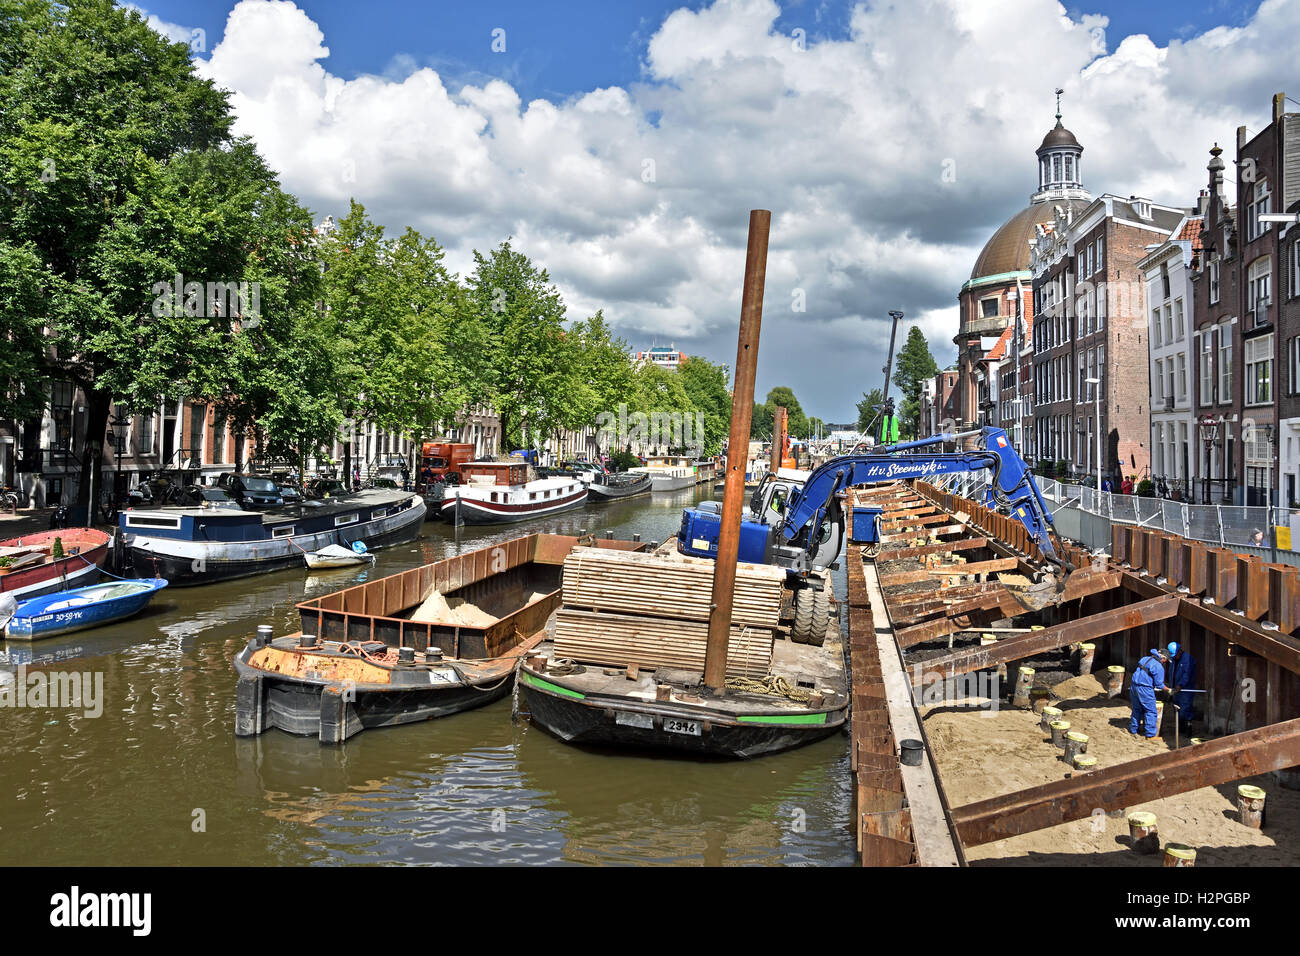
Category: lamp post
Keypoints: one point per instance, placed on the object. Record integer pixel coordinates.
(1096, 405)
(1209, 427)
(119, 426)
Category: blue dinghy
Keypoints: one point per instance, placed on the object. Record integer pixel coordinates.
(80, 608)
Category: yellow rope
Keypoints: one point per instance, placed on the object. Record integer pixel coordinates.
(772, 685)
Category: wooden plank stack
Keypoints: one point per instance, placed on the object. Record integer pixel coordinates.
(622, 608)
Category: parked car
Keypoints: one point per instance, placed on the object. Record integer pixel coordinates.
(251, 491)
(291, 494)
(326, 488)
(206, 496)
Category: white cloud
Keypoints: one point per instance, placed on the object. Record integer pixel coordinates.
(846, 141)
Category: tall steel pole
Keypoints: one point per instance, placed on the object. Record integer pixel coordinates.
(742, 412)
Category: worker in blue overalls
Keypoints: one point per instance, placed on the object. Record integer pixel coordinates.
(1183, 678)
(1147, 679)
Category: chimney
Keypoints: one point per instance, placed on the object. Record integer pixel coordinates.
(1279, 106)
(1202, 202)
(1241, 141)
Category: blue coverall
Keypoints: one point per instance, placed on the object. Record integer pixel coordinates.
(1184, 673)
(1149, 676)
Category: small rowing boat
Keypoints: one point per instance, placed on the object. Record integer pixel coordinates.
(81, 608)
(337, 556)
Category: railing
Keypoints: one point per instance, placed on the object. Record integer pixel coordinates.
(1257, 529)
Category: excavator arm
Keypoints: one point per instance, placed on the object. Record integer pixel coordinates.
(1011, 486)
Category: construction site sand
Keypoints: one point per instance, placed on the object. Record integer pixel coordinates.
(982, 754)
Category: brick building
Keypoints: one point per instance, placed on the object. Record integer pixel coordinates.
(1090, 323)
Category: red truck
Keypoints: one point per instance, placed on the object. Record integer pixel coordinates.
(443, 459)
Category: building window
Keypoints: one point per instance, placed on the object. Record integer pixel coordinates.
(1214, 281)
(1295, 268)
(1158, 380)
(1182, 376)
(1225, 363)
(989, 308)
(1293, 362)
(1259, 370)
(1155, 327)
(1164, 281)
(1169, 323)
(1207, 367)
(1257, 291)
(1258, 204)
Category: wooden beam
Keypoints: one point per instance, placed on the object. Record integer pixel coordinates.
(1209, 764)
(1274, 646)
(909, 535)
(947, 570)
(1049, 638)
(899, 554)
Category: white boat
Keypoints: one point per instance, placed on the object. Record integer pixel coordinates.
(668, 472)
(499, 492)
(336, 556)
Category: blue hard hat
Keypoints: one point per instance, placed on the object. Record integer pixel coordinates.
(1173, 648)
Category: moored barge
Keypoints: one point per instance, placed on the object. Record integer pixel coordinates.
(32, 569)
(199, 545)
(501, 492)
(425, 643)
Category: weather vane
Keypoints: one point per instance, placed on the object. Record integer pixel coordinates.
(1059, 91)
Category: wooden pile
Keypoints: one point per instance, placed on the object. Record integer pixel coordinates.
(623, 608)
(676, 587)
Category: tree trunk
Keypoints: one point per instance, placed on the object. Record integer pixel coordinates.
(98, 405)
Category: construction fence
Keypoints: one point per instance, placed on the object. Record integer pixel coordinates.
(1083, 514)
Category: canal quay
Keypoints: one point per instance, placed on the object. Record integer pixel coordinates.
(472, 788)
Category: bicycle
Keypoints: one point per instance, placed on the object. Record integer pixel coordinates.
(9, 500)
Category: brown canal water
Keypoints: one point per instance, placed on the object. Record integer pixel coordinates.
(160, 778)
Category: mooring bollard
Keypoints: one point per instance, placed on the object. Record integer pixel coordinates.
(1084, 763)
(1050, 714)
(1250, 806)
(1144, 832)
(1038, 698)
(1059, 729)
(1024, 683)
(1086, 652)
(1076, 744)
(1114, 680)
(1178, 855)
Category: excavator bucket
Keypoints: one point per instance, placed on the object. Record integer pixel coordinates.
(1033, 595)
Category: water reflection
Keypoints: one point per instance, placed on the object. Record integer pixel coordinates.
(160, 778)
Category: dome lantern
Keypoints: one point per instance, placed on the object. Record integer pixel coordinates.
(1059, 176)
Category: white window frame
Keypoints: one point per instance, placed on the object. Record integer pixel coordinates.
(1258, 352)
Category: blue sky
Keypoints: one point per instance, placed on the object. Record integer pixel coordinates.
(556, 49)
(621, 144)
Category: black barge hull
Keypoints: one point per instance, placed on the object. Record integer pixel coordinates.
(608, 722)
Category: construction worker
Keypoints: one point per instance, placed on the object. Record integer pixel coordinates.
(1182, 678)
(1148, 677)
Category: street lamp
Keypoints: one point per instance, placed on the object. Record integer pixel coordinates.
(1209, 426)
(119, 426)
(1096, 405)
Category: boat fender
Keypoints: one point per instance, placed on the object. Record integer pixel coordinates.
(359, 547)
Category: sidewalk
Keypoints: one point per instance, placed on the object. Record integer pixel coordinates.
(33, 520)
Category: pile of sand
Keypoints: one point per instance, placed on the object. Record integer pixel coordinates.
(457, 612)
(982, 754)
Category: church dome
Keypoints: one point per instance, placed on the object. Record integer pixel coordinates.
(1008, 249)
(1057, 137)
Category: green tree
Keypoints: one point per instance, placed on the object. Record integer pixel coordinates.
(761, 423)
(119, 171)
(783, 397)
(531, 367)
(24, 372)
(868, 408)
(706, 389)
(915, 365)
(661, 393)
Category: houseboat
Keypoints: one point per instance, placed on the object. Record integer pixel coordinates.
(668, 472)
(29, 566)
(425, 643)
(499, 492)
(621, 485)
(199, 545)
(706, 470)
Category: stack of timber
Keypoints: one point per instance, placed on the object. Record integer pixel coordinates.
(653, 610)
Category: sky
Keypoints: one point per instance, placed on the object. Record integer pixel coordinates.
(622, 145)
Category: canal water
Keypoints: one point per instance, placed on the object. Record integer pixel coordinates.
(160, 778)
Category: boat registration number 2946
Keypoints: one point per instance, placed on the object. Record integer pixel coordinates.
(675, 726)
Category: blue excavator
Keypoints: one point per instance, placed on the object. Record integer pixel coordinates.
(798, 523)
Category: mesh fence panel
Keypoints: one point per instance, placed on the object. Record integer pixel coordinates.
(1244, 525)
